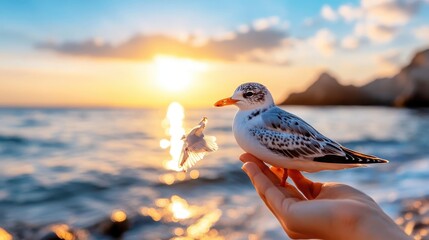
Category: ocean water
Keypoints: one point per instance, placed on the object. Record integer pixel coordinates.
(82, 167)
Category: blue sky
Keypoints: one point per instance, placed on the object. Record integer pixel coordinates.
(356, 40)
(86, 19)
(116, 21)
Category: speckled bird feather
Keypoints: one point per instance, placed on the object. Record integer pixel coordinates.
(288, 135)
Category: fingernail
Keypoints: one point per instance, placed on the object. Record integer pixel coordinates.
(249, 168)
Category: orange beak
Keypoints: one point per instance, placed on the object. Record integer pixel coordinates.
(225, 102)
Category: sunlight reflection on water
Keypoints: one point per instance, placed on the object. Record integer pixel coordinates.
(196, 222)
(173, 125)
(174, 128)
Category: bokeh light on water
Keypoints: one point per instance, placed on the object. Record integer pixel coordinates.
(196, 222)
(179, 207)
(62, 231)
(118, 216)
(4, 235)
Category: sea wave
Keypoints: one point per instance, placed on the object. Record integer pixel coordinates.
(31, 122)
(221, 129)
(371, 141)
(27, 189)
(76, 167)
(13, 139)
(126, 136)
(232, 176)
(16, 140)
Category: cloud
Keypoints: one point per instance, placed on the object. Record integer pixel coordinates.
(350, 13)
(225, 36)
(243, 28)
(389, 61)
(275, 56)
(324, 41)
(138, 47)
(376, 33)
(328, 13)
(422, 33)
(229, 49)
(379, 20)
(227, 46)
(265, 23)
(391, 13)
(350, 42)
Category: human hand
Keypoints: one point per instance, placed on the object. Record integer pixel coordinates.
(319, 210)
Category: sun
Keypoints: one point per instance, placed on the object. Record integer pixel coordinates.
(175, 74)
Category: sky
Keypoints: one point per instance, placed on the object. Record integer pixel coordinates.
(150, 53)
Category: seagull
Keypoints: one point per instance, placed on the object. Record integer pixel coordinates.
(196, 146)
(284, 140)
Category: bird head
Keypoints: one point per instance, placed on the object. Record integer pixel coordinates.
(248, 96)
(204, 121)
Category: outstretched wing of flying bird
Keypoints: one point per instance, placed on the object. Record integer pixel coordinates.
(196, 146)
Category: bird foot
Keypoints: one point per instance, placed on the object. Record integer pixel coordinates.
(284, 178)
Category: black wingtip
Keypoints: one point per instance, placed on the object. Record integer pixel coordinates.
(367, 159)
(351, 157)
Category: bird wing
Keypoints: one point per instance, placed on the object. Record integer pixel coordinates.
(293, 137)
(195, 151)
(192, 159)
(210, 143)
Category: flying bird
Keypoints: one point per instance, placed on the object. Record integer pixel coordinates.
(196, 146)
(284, 140)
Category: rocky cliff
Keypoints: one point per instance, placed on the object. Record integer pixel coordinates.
(409, 87)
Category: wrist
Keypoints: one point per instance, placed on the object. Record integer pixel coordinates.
(359, 221)
(377, 225)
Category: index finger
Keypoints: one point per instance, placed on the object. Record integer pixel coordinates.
(265, 187)
(309, 188)
(247, 157)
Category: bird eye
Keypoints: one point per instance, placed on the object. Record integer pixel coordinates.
(247, 94)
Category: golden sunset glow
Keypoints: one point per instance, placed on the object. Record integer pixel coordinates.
(137, 84)
(175, 74)
(174, 55)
